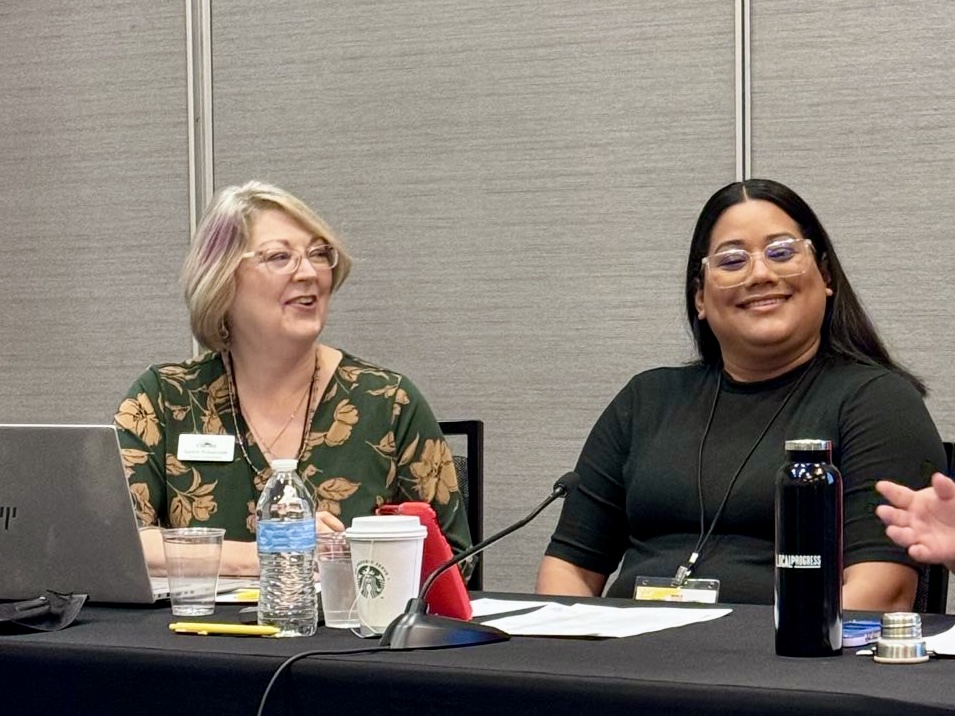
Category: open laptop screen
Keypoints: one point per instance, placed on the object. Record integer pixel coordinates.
(66, 518)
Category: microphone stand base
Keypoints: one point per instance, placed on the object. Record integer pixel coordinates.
(429, 631)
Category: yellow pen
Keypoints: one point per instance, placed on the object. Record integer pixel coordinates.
(210, 629)
(247, 595)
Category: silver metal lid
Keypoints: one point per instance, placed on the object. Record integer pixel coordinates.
(901, 641)
(900, 651)
(806, 444)
(901, 625)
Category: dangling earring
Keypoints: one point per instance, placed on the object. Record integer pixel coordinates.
(224, 334)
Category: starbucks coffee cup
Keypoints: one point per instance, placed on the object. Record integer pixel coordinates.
(386, 555)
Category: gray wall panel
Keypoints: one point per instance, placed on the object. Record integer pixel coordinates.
(854, 106)
(94, 199)
(518, 181)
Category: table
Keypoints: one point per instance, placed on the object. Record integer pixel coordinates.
(124, 660)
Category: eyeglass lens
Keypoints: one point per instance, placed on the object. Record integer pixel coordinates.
(733, 267)
(286, 261)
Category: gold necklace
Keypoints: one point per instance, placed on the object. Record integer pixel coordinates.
(267, 449)
(235, 408)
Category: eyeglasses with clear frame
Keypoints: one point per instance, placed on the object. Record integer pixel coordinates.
(785, 257)
(286, 261)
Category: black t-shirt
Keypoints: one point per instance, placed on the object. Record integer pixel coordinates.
(638, 498)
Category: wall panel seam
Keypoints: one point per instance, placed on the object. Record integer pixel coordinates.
(743, 92)
(199, 107)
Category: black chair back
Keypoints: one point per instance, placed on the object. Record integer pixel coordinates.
(933, 583)
(466, 438)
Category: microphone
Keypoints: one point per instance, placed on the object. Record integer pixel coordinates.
(416, 629)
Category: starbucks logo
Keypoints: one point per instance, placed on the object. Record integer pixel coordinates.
(371, 580)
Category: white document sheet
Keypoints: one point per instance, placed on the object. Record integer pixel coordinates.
(593, 620)
(486, 607)
(942, 644)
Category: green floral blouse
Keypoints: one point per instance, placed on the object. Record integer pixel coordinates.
(373, 440)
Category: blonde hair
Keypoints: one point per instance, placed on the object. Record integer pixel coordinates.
(208, 273)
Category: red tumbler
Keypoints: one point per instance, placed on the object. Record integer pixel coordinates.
(448, 597)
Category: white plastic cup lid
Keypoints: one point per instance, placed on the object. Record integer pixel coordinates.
(386, 527)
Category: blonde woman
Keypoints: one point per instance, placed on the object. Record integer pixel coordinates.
(259, 278)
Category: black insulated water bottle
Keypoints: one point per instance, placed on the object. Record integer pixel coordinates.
(808, 576)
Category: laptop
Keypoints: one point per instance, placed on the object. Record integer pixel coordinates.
(66, 517)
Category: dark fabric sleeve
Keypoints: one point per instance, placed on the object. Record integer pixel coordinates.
(141, 427)
(592, 530)
(887, 433)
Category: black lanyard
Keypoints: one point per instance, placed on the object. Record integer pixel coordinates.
(686, 569)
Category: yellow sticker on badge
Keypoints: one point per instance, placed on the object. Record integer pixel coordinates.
(662, 594)
(657, 589)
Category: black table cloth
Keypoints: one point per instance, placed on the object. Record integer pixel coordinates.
(125, 660)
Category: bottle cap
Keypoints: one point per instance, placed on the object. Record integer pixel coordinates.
(284, 464)
(808, 445)
(901, 641)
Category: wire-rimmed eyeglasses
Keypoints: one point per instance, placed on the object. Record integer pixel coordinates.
(286, 261)
(785, 257)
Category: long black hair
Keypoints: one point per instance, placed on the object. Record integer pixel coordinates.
(847, 330)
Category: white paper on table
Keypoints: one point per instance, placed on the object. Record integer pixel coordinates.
(942, 644)
(601, 621)
(485, 606)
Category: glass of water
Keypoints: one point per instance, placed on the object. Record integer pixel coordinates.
(339, 603)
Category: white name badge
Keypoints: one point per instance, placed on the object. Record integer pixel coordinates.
(658, 589)
(206, 448)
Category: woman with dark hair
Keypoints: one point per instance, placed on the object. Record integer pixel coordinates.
(677, 476)
(847, 330)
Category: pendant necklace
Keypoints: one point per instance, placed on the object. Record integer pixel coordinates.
(236, 408)
(267, 449)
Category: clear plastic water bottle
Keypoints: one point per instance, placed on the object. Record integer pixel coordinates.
(285, 535)
(808, 575)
